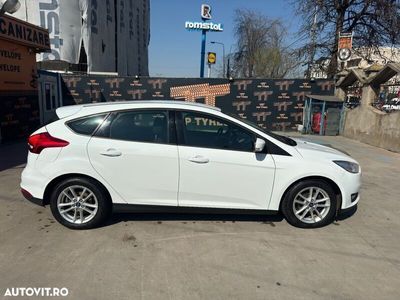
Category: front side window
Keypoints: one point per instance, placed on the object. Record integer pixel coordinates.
(139, 126)
(284, 139)
(201, 130)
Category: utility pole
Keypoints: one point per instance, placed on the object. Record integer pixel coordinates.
(312, 44)
(228, 66)
(223, 55)
(228, 69)
(203, 52)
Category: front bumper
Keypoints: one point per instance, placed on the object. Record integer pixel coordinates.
(345, 213)
(350, 186)
(32, 199)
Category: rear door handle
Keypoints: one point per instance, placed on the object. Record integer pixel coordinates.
(199, 159)
(111, 153)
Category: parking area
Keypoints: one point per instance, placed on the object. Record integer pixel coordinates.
(160, 256)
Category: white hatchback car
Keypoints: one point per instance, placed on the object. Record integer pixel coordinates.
(179, 156)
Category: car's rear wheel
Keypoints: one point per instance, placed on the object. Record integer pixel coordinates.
(310, 204)
(79, 203)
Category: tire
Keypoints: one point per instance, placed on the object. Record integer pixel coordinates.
(312, 212)
(80, 203)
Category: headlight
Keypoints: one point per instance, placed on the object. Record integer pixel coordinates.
(348, 166)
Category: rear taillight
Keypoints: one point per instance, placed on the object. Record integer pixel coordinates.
(40, 141)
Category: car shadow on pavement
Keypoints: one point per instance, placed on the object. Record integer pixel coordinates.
(13, 155)
(160, 217)
(186, 217)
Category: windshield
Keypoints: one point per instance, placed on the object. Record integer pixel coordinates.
(284, 139)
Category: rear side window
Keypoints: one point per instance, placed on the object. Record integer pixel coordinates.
(86, 125)
(149, 126)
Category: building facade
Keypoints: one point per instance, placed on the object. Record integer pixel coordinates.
(20, 42)
(93, 36)
(364, 58)
(361, 58)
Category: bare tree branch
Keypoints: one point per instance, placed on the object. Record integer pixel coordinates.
(374, 23)
(260, 47)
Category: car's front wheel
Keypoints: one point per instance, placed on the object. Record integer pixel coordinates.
(310, 204)
(79, 203)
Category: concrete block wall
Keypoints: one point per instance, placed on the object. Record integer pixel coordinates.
(372, 126)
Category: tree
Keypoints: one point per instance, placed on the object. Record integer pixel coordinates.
(374, 23)
(260, 50)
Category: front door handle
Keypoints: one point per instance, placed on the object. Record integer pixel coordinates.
(111, 153)
(199, 159)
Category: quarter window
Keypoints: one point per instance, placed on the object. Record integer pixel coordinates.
(139, 126)
(200, 130)
(86, 125)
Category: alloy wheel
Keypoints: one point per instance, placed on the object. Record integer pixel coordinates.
(77, 204)
(311, 205)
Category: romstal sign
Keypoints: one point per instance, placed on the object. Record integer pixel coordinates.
(204, 27)
(210, 26)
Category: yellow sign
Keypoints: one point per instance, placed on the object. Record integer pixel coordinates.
(17, 67)
(211, 57)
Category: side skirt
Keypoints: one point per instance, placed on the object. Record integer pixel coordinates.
(139, 208)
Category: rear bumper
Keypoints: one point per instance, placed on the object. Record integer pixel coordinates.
(33, 181)
(32, 199)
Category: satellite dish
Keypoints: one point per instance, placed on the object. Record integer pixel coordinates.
(9, 6)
